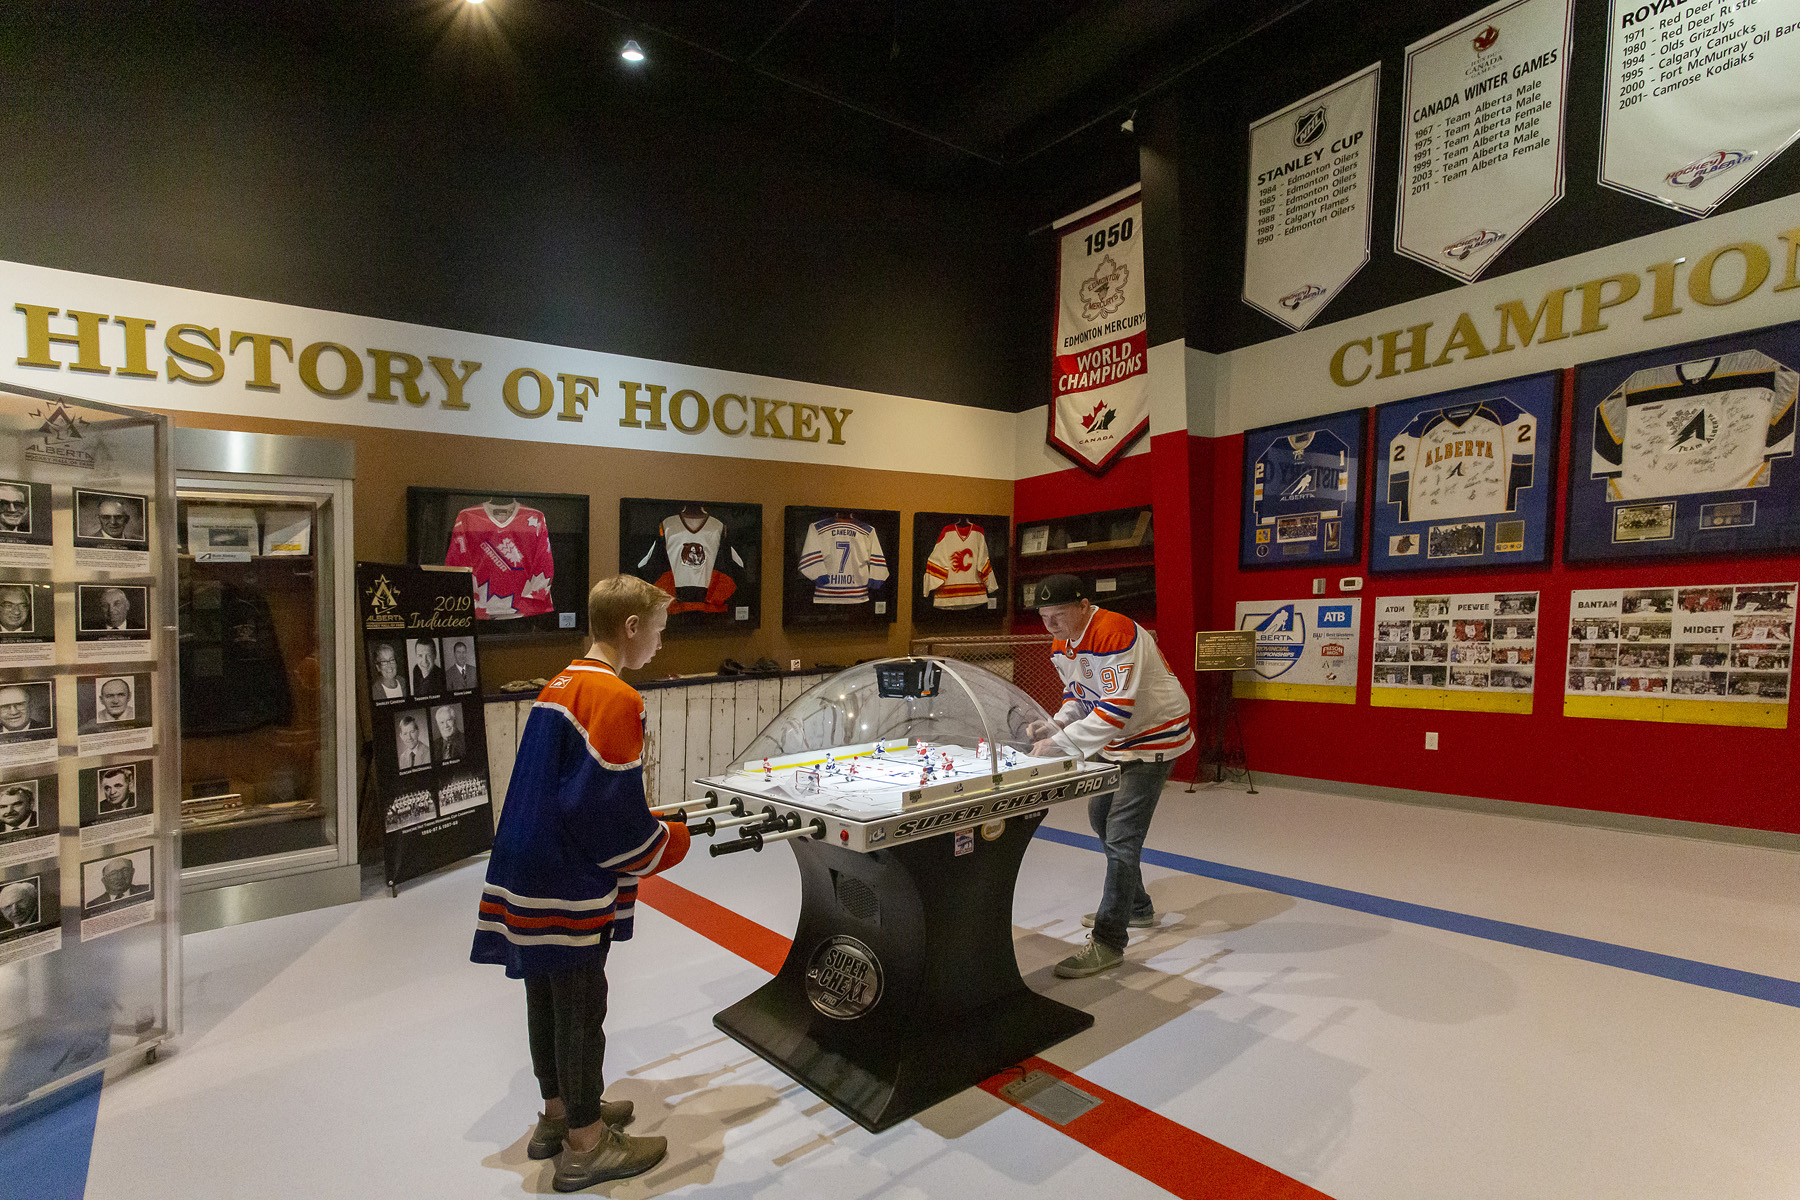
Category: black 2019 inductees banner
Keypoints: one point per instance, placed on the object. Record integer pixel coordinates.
(430, 735)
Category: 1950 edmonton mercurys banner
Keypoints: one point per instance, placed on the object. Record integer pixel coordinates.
(1481, 152)
(1100, 391)
(1700, 96)
(1311, 180)
(429, 729)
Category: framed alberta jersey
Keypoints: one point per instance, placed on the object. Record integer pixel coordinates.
(1302, 492)
(706, 554)
(840, 566)
(1465, 477)
(1687, 450)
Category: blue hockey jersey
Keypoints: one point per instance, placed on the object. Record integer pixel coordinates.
(576, 832)
(1302, 473)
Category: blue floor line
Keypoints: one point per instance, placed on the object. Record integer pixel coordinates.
(1645, 962)
(46, 1146)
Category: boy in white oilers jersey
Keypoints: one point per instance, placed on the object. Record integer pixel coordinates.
(1121, 703)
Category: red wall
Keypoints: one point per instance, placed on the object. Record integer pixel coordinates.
(1715, 774)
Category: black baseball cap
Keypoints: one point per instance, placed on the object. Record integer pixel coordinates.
(1060, 589)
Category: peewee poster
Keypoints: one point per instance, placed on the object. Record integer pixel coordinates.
(429, 729)
(1305, 650)
(1100, 382)
(1474, 651)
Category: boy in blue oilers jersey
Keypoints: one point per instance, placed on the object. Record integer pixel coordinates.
(1122, 704)
(575, 836)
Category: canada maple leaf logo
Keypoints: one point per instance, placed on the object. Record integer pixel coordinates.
(1100, 418)
(1102, 294)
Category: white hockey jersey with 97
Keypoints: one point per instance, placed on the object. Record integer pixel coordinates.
(844, 560)
(1120, 700)
(1469, 460)
(1708, 426)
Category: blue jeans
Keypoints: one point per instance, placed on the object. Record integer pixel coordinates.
(1121, 820)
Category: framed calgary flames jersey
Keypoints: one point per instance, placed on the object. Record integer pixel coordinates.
(1687, 450)
(1303, 486)
(1465, 477)
(959, 569)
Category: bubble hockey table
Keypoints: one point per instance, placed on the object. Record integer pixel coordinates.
(901, 988)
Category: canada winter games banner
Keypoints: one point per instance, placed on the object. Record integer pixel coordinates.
(1481, 155)
(1311, 181)
(1100, 392)
(1700, 96)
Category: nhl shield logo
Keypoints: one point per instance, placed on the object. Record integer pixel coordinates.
(1309, 126)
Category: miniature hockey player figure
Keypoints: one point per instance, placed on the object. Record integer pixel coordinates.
(768, 775)
(1008, 758)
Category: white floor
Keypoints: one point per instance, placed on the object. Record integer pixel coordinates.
(356, 1052)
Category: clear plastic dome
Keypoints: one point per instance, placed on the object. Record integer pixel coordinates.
(941, 701)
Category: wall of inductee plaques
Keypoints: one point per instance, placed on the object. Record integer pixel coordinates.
(1474, 651)
(1465, 477)
(1687, 450)
(89, 905)
(1303, 492)
(1716, 654)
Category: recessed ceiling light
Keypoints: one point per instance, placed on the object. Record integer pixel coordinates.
(632, 53)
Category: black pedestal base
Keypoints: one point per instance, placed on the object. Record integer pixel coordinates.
(902, 988)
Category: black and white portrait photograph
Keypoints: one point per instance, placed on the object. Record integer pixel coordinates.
(18, 607)
(27, 623)
(412, 739)
(387, 671)
(24, 514)
(447, 742)
(27, 712)
(424, 675)
(27, 905)
(107, 612)
(111, 520)
(21, 809)
(113, 794)
(107, 703)
(117, 882)
(459, 664)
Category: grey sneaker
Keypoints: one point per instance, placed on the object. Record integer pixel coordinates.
(1094, 958)
(1148, 922)
(548, 1137)
(616, 1156)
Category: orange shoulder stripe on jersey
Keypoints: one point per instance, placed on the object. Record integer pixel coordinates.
(608, 710)
(1108, 633)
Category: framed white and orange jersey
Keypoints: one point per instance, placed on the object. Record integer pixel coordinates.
(1687, 450)
(1465, 476)
(960, 568)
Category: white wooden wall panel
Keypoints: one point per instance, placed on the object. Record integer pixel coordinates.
(724, 726)
(502, 719)
(672, 754)
(699, 733)
(744, 704)
(653, 705)
(768, 702)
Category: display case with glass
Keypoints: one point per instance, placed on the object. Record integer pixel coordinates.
(267, 706)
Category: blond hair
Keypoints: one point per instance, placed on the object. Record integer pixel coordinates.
(614, 601)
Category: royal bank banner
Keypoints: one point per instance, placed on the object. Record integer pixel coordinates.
(1100, 391)
(1700, 96)
(427, 720)
(1305, 650)
(1482, 142)
(1311, 183)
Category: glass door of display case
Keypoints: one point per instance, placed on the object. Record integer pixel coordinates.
(267, 719)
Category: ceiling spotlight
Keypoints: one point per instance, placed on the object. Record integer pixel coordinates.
(632, 53)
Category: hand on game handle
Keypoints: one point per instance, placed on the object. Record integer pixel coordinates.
(1037, 731)
(1046, 749)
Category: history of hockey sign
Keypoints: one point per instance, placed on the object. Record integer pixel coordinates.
(1700, 96)
(1311, 180)
(1482, 147)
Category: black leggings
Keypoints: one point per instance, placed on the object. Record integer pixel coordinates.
(564, 1011)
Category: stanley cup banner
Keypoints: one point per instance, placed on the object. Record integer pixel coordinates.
(1100, 393)
(1700, 96)
(1311, 182)
(1481, 152)
(426, 716)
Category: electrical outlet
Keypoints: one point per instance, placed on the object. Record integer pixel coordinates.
(793, 664)
(1431, 741)
(1318, 587)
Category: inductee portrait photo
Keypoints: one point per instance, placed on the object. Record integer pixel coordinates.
(109, 612)
(19, 809)
(412, 744)
(425, 678)
(110, 520)
(28, 905)
(24, 513)
(18, 608)
(387, 678)
(115, 793)
(447, 742)
(459, 664)
(116, 882)
(104, 703)
(27, 712)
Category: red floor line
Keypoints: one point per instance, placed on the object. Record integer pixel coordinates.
(1146, 1143)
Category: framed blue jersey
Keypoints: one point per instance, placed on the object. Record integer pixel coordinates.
(1465, 477)
(1687, 450)
(1302, 491)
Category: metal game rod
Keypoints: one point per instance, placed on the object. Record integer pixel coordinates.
(711, 826)
(756, 840)
(680, 812)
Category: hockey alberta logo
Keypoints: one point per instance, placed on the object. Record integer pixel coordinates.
(1103, 294)
(1280, 639)
(1293, 300)
(843, 978)
(1691, 429)
(59, 440)
(1463, 247)
(384, 600)
(1309, 126)
(1700, 170)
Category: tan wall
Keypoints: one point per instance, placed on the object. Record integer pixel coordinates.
(388, 461)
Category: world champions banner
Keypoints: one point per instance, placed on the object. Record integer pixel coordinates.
(427, 722)
(1100, 389)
